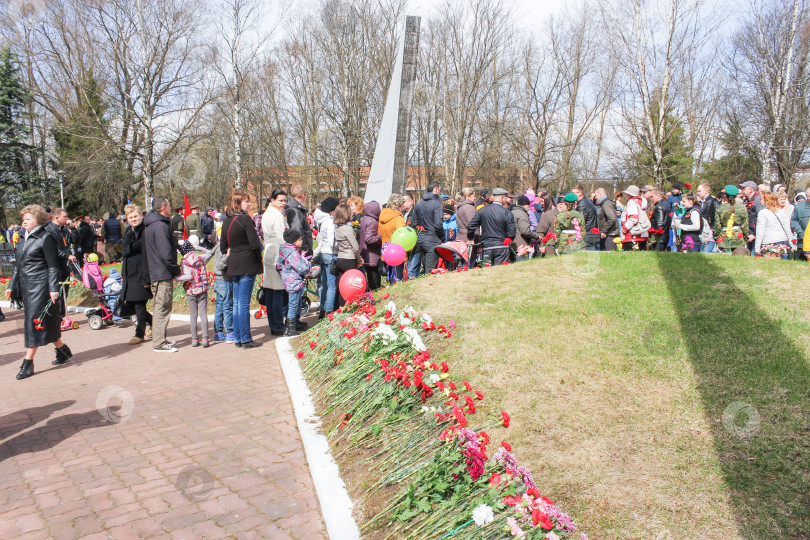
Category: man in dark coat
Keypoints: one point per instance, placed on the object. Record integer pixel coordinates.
(607, 221)
(708, 207)
(586, 207)
(296, 214)
(160, 248)
(497, 228)
(428, 219)
(112, 231)
(753, 203)
(58, 228)
(87, 239)
(660, 221)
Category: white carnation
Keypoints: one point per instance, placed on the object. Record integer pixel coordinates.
(482, 515)
(392, 307)
(426, 318)
(434, 378)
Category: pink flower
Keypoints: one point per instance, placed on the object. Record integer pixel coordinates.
(451, 325)
(514, 528)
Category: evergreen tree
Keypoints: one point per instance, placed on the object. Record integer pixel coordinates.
(676, 166)
(19, 181)
(740, 163)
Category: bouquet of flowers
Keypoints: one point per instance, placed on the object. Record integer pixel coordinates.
(388, 397)
(774, 251)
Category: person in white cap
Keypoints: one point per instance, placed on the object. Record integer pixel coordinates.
(636, 224)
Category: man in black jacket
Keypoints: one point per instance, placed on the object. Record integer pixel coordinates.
(296, 214)
(160, 249)
(607, 221)
(708, 207)
(497, 228)
(588, 210)
(112, 232)
(64, 248)
(427, 220)
(87, 238)
(660, 221)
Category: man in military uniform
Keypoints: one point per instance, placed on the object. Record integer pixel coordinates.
(569, 226)
(193, 223)
(177, 224)
(731, 222)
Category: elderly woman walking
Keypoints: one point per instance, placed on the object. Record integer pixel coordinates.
(35, 283)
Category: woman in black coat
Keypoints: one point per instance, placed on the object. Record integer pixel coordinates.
(35, 283)
(136, 290)
(241, 243)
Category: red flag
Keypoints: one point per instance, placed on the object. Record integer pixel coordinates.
(186, 213)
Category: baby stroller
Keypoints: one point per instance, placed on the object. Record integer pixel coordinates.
(306, 303)
(92, 279)
(453, 255)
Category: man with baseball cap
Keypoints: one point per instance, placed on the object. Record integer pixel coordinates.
(753, 202)
(497, 228)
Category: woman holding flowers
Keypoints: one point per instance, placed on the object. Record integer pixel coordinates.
(773, 230)
(35, 283)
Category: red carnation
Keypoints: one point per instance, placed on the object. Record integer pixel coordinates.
(495, 479)
(467, 386)
(479, 395)
(445, 367)
(505, 417)
(368, 377)
(507, 241)
(541, 518)
(506, 445)
(312, 344)
(385, 296)
(594, 231)
(300, 354)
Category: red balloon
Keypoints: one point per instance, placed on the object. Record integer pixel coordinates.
(394, 254)
(352, 284)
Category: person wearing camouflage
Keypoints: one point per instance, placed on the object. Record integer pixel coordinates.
(569, 227)
(731, 222)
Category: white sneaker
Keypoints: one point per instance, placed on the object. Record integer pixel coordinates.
(166, 347)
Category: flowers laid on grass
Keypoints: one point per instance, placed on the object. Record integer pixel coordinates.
(425, 428)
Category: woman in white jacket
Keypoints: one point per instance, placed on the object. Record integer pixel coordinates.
(273, 225)
(773, 230)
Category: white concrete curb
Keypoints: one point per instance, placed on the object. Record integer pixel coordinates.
(336, 504)
(174, 316)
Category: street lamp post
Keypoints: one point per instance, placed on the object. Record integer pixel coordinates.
(61, 175)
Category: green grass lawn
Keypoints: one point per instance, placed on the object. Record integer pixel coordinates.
(653, 395)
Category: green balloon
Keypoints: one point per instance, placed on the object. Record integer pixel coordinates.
(405, 237)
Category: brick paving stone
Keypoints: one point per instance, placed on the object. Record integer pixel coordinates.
(218, 418)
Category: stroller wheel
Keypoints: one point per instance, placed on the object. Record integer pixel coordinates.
(306, 303)
(75, 325)
(258, 314)
(95, 322)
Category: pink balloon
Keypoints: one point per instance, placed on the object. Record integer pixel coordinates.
(394, 254)
(352, 284)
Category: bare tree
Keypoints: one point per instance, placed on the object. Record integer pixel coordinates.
(770, 68)
(654, 44)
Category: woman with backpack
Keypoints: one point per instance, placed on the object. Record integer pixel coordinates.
(636, 224)
(244, 249)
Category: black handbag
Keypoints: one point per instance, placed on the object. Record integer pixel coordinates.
(260, 295)
(123, 309)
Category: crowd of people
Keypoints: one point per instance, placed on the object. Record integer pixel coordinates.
(284, 241)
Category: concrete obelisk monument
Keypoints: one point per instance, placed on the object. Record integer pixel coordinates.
(389, 168)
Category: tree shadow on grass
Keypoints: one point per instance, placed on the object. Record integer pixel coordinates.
(755, 387)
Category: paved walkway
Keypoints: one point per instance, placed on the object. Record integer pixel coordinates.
(122, 442)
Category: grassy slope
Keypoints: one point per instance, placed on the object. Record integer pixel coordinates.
(617, 369)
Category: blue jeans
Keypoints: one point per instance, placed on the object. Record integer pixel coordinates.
(274, 302)
(708, 247)
(242, 291)
(328, 285)
(223, 315)
(414, 264)
(294, 304)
